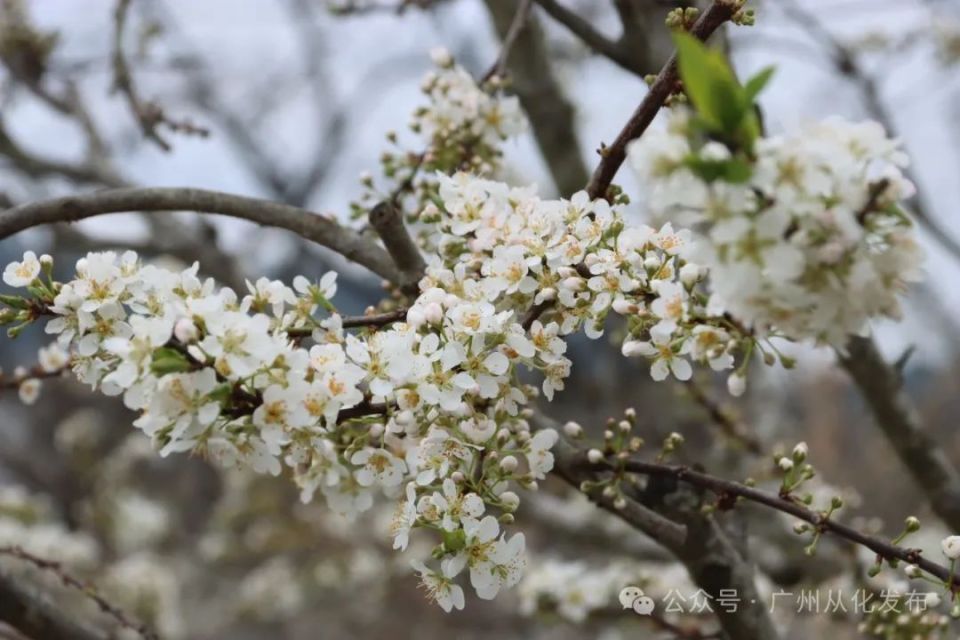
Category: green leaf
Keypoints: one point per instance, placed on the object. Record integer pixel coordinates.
(167, 360)
(757, 83)
(711, 85)
(15, 302)
(734, 170)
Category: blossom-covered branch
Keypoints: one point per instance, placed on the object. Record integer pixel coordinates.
(613, 155)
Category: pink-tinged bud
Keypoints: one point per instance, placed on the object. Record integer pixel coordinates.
(185, 331)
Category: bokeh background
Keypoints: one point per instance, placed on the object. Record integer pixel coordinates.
(298, 96)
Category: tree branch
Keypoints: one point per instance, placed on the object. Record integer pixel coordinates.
(665, 84)
(727, 489)
(387, 221)
(597, 42)
(316, 228)
(36, 616)
(149, 115)
(896, 416)
(709, 554)
(551, 116)
(87, 590)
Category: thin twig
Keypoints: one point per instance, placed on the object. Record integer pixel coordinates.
(612, 157)
(519, 21)
(721, 417)
(353, 322)
(788, 505)
(597, 42)
(149, 115)
(86, 589)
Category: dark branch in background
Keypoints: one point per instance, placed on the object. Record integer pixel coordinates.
(705, 549)
(33, 614)
(56, 569)
(551, 116)
(727, 489)
(881, 387)
(666, 83)
(520, 18)
(387, 221)
(316, 228)
(721, 417)
(599, 43)
(150, 115)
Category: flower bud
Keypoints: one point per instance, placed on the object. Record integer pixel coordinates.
(594, 456)
(573, 430)
(624, 307)
(433, 313)
(510, 500)
(951, 547)
(690, 274)
(785, 464)
(912, 524)
(632, 348)
(736, 384)
(509, 464)
(800, 452)
(186, 331)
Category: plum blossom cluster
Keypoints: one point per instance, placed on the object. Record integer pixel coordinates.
(428, 409)
(804, 236)
(564, 265)
(460, 128)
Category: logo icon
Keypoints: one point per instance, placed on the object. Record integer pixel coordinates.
(632, 598)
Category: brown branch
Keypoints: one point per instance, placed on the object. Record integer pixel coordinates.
(353, 322)
(551, 115)
(520, 18)
(387, 221)
(319, 229)
(706, 550)
(880, 385)
(36, 616)
(727, 488)
(597, 42)
(35, 372)
(86, 589)
(150, 115)
(665, 84)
